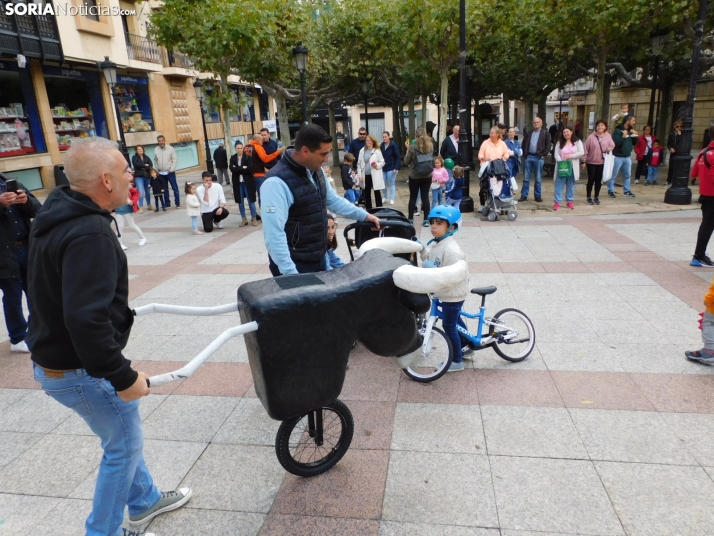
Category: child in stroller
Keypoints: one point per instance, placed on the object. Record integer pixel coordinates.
(498, 190)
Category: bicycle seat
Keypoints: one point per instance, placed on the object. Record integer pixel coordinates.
(484, 291)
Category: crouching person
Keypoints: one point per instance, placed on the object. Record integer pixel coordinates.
(78, 294)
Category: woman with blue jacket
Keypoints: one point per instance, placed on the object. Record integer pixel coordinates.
(392, 165)
(514, 146)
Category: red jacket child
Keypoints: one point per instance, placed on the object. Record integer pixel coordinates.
(656, 157)
(134, 196)
(704, 171)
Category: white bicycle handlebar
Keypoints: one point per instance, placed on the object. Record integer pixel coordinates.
(184, 310)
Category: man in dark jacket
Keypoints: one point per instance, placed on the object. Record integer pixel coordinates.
(625, 137)
(78, 294)
(220, 158)
(270, 146)
(356, 145)
(16, 213)
(536, 146)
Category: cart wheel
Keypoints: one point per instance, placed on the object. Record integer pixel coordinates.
(512, 215)
(492, 216)
(311, 444)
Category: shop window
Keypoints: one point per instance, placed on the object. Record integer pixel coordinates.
(132, 96)
(16, 134)
(211, 114)
(247, 112)
(264, 106)
(71, 109)
(92, 12)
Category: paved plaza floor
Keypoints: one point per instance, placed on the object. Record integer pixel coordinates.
(606, 429)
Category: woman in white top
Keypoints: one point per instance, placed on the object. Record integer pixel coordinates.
(369, 169)
(568, 148)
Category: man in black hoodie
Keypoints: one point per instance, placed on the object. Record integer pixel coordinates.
(78, 294)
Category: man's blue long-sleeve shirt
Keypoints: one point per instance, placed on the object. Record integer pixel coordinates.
(276, 200)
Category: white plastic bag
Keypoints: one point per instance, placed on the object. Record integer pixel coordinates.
(607, 169)
(514, 184)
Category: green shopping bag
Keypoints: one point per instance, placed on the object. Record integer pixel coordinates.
(565, 169)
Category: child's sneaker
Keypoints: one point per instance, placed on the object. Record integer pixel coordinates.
(570, 205)
(556, 206)
(198, 232)
(467, 352)
(456, 367)
(696, 355)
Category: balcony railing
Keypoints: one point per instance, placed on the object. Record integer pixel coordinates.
(34, 36)
(174, 58)
(142, 48)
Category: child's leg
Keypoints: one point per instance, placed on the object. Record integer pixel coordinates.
(130, 220)
(194, 223)
(708, 333)
(435, 197)
(450, 311)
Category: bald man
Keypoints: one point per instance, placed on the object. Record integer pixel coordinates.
(78, 293)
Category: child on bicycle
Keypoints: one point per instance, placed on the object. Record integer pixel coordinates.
(444, 221)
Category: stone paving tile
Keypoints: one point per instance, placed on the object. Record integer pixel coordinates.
(225, 477)
(540, 494)
(517, 388)
(457, 388)
(248, 424)
(356, 487)
(630, 436)
(36, 412)
(10, 396)
(428, 428)
(373, 424)
(14, 444)
(296, 525)
(580, 357)
(16, 370)
(218, 379)
(696, 431)
(374, 384)
(65, 519)
(421, 487)
(677, 392)
(603, 390)
(191, 521)
(392, 528)
(189, 418)
(659, 499)
(658, 358)
(54, 466)
(21, 513)
(535, 432)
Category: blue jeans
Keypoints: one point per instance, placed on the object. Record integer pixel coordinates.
(251, 205)
(624, 163)
(652, 174)
(170, 179)
(352, 195)
(143, 185)
(533, 163)
(390, 179)
(451, 318)
(194, 223)
(512, 166)
(12, 298)
(258, 184)
(123, 477)
(436, 197)
(569, 184)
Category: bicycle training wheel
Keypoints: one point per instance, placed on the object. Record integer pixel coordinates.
(513, 333)
(433, 364)
(311, 444)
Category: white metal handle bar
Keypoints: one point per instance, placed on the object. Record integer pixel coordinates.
(184, 310)
(190, 367)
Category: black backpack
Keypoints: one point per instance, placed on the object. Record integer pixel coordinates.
(425, 163)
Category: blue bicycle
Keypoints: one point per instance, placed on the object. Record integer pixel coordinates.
(509, 332)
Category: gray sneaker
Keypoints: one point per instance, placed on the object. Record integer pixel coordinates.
(129, 532)
(170, 500)
(696, 355)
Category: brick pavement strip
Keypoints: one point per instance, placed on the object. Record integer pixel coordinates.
(605, 429)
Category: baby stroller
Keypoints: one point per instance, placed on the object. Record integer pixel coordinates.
(393, 224)
(499, 188)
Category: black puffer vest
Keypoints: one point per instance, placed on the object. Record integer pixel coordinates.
(306, 228)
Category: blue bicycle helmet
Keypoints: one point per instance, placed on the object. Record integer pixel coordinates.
(450, 214)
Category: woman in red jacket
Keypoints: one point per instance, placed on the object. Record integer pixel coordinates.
(643, 150)
(704, 170)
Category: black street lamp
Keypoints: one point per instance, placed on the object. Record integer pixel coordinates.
(109, 69)
(365, 91)
(198, 88)
(658, 37)
(679, 193)
(465, 150)
(300, 53)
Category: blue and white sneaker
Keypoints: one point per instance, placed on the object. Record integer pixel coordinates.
(704, 262)
(455, 367)
(699, 356)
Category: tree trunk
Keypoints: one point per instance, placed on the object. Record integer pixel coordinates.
(542, 108)
(528, 114)
(424, 100)
(506, 112)
(412, 115)
(282, 116)
(225, 111)
(333, 133)
(664, 121)
(396, 131)
(602, 87)
(444, 102)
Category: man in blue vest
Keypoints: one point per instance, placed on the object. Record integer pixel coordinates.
(295, 200)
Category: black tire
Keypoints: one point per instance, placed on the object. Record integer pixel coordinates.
(297, 450)
(427, 368)
(512, 319)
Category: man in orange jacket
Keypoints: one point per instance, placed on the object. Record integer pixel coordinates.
(260, 158)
